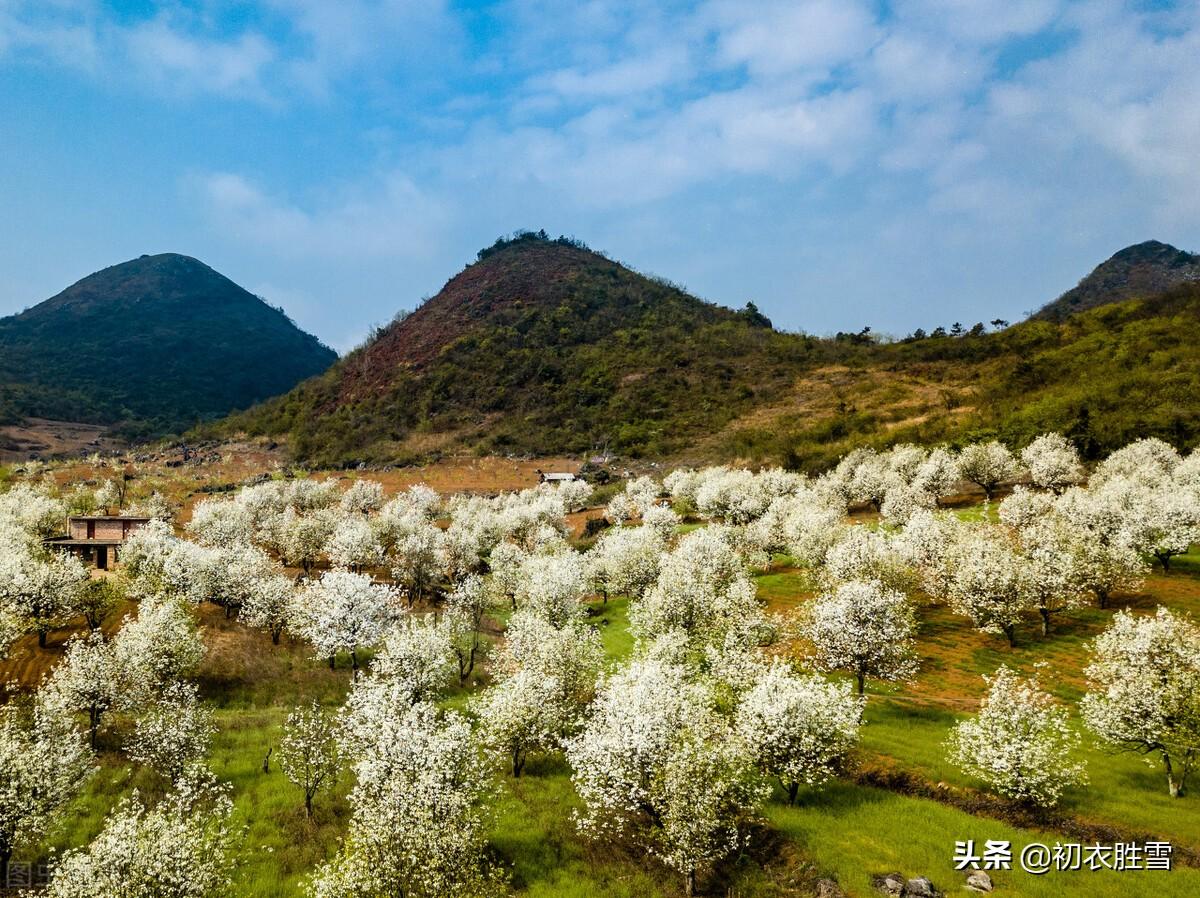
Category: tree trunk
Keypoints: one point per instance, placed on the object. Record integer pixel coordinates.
(332, 661)
(42, 637)
(1174, 789)
(1165, 560)
(94, 718)
(1045, 613)
(275, 636)
(1010, 630)
(308, 804)
(1103, 595)
(354, 659)
(861, 677)
(793, 789)
(518, 760)
(5, 857)
(690, 884)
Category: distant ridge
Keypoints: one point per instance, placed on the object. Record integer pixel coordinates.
(151, 346)
(1137, 271)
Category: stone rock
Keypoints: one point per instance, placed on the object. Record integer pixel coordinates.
(828, 888)
(979, 882)
(889, 884)
(920, 887)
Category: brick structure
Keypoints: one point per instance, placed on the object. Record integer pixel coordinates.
(97, 538)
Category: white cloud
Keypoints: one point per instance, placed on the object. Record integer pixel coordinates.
(176, 60)
(781, 37)
(389, 217)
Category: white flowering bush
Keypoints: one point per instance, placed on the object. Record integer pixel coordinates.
(1021, 743)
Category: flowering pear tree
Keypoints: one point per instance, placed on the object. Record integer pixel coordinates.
(1172, 525)
(655, 763)
(524, 713)
(1144, 690)
(363, 497)
(40, 588)
(267, 605)
(937, 474)
(417, 654)
(465, 609)
(1021, 743)
(703, 594)
(302, 537)
(1050, 572)
(625, 561)
(662, 521)
(308, 750)
(154, 648)
(177, 848)
(1023, 507)
(221, 524)
(864, 628)
(43, 763)
(353, 544)
(553, 586)
(1148, 462)
(173, 734)
(1053, 462)
(343, 612)
(988, 583)
(798, 728)
(417, 557)
(419, 810)
(86, 680)
(988, 465)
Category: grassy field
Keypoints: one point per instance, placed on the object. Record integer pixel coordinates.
(849, 830)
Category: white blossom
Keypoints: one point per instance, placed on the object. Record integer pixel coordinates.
(1021, 743)
(308, 750)
(864, 628)
(174, 733)
(418, 823)
(43, 763)
(798, 728)
(1053, 462)
(178, 848)
(343, 612)
(988, 465)
(1144, 690)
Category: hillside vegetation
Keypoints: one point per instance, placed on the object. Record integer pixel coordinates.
(1136, 271)
(543, 346)
(151, 346)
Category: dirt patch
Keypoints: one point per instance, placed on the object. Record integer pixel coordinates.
(46, 438)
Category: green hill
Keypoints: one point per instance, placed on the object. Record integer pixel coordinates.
(150, 346)
(543, 346)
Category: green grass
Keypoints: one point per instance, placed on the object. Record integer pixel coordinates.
(852, 832)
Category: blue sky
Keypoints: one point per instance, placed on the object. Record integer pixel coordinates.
(841, 163)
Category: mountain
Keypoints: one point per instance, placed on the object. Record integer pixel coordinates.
(542, 346)
(539, 345)
(150, 346)
(1136, 271)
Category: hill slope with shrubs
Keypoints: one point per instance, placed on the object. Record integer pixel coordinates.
(543, 346)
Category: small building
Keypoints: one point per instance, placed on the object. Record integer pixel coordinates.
(96, 538)
(560, 477)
